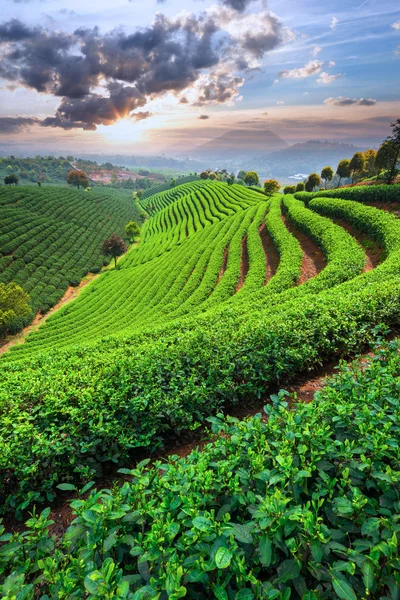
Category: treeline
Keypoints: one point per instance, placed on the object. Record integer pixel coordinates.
(382, 164)
(44, 169)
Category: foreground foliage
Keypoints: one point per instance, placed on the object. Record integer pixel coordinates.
(303, 505)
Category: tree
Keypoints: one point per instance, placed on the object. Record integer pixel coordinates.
(241, 174)
(12, 179)
(139, 194)
(14, 307)
(114, 246)
(300, 187)
(251, 178)
(343, 170)
(370, 169)
(313, 180)
(77, 179)
(39, 183)
(132, 230)
(356, 164)
(388, 154)
(271, 186)
(289, 189)
(204, 175)
(327, 174)
(231, 179)
(212, 175)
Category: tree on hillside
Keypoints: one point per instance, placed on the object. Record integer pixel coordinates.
(204, 175)
(271, 186)
(14, 307)
(212, 175)
(12, 179)
(388, 155)
(343, 170)
(132, 230)
(300, 187)
(357, 165)
(77, 179)
(370, 169)
(231, 179)
(327, 174)
(114, 246)
(289, 189)
(251, 178)
(139, 194)
(313, 180)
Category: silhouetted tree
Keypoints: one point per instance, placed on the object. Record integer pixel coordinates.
(271, 186)
(77, 179)
(12, 179)
(114, 246)
(370, 169)
(343, 170)
(289, 189)
(388, 154)
(251, 178)
(327, 174)
(356, 164)
(313, 180)
(132, 230)
(14, 307)
(300, 187)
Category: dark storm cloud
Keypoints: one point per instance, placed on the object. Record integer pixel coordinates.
(101, 78)
(239, 5)
(203, 117)
(15, 124)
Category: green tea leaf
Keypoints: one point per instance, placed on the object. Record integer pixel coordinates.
(223, 558)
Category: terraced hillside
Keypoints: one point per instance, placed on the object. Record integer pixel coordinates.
(51, 237)
(227, 293)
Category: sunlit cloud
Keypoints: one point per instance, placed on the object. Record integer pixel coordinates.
(311, 68)
(326, 78)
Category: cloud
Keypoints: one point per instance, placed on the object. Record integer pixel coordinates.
(316, 51)
(331, 63)
(326, 78)
(312, 67)
(280, 102)
(203, 117)
(239, 5)
(342, 101)
(334, 22)
(397, 51)
(101, 78)
(396, 25)
(10, 125)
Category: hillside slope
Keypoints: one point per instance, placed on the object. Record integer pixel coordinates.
(51, 237)
(227, 293)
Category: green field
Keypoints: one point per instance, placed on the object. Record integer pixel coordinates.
(50, 238)
(215, 307)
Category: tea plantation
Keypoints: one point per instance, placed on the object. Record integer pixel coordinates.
(228, 294)
(51, 237)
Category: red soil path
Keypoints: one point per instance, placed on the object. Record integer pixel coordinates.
(313, 258)
(271, 253)
(244, 264)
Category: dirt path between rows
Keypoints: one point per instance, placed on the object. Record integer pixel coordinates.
(314, 260)
(270, 251)
(244, 264)
(70, 294)
(224, 265)
(373, 252)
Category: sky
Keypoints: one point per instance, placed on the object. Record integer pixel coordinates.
(151, 77)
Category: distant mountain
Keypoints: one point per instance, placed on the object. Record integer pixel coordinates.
(304, 157)
(239, 144)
